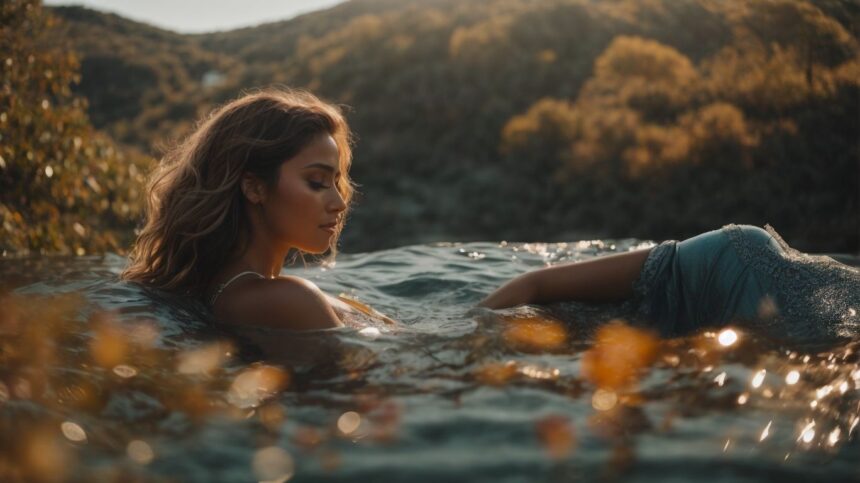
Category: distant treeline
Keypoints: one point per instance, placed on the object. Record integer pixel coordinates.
(523, 120)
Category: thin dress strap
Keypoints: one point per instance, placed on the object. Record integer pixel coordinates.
(228, 282)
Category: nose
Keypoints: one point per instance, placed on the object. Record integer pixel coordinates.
(336, 203)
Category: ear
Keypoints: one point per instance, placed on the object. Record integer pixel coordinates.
(253, 189)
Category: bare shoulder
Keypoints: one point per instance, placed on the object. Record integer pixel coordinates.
(283, 302)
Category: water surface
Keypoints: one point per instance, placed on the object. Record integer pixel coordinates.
(100, 379)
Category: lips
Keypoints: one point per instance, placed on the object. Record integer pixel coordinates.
(329, 227)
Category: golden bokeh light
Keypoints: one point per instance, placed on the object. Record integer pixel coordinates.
(496, 373)
(307, 437)
(272, 415)
(604, 400)
(46, 458)
(203, 360)
(256, 384)
(273, 464)
(619, 354)
(348, 423)
(140, 452)
(535, 334)
(109, 345)
(556, 435)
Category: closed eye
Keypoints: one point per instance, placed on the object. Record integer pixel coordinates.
(317, 185)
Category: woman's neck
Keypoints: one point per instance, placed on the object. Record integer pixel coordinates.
(260, 256)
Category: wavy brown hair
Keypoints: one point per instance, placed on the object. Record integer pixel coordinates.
(195, 214)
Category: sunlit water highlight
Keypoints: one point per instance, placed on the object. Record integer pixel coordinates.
(119, 383)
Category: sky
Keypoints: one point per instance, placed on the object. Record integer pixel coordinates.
(195, 16)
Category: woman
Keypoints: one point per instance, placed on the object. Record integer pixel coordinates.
(269, 173)
(738, 274)
(260, 177)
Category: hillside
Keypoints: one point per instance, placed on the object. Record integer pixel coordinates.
(535, 120)
(143, 84)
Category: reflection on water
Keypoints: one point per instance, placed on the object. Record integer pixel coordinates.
(102, 380)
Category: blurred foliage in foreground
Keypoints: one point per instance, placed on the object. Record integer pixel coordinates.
(522, 120)
(64, 188)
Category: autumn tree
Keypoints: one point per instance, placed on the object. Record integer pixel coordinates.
(64, 187)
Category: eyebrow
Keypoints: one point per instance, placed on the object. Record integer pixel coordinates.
(324, 167)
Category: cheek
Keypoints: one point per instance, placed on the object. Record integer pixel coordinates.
(293, 201)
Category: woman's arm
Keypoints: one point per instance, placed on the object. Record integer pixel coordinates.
(605, 279)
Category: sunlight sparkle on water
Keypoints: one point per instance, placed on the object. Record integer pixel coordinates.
(766, 431)
(720, 379)
(807, 433)
(834, 437)
(125, 371)
(371, 333)
(727, 337)
(73, 432)
(536, 372)
(758, 379)
(792, 377)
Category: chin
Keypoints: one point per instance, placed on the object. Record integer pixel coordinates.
(315, 249)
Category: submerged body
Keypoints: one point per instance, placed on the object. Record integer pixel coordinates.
(738, 274)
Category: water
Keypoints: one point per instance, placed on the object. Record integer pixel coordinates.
(120, 384)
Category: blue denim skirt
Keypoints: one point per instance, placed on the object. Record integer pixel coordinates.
(748, 276)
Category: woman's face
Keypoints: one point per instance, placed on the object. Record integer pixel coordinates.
(302, 210)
